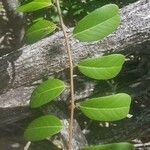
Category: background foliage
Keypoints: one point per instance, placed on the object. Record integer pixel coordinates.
(75, 10)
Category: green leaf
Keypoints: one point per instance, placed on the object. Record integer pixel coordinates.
(113, 146)
(98, 24)
(46, 92)
(1, 7)
(42, 128)
(38, 30)
(102, 68)
(107, 108)
(34, 5)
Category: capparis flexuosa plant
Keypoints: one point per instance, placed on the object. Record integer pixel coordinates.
(94, 27)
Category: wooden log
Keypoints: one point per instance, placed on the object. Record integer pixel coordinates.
(22, 69)
(48, 56)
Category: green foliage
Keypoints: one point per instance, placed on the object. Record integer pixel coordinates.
(1, 7)
(34, 5)
(102, 68)
(98, 24)
(113, 146)
(39, 29)
(95, 26)
(46, 92)
(42, 128)
(107, 108)
(74, 10)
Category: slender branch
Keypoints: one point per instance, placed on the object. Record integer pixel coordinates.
(27, 145)
(142, 145)
(71, 75)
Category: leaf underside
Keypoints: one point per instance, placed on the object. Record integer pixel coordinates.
(42, 128)
(107, 108)
(46, 92)
(102, 68)
(34, 5)
(39, 29)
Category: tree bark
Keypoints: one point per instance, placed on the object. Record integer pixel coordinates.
(23, 69)
(42, 59)
(16, 21)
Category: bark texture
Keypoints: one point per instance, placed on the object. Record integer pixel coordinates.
(22, 70)
(42, 59)
(15, 21)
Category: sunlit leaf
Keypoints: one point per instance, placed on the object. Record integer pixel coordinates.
(46, 92)
(39, 29)
(102, 68)
(113, 146)
(107, 108)
(42, 128)
(1, 7)
(34, 5)
(98, 24)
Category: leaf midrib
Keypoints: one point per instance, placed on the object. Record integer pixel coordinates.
(59, 87)
(104, 108)
(99, 67)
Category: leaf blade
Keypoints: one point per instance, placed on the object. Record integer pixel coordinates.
(107, 108)
(34, 5)
(39, 29)
(43, 127)
(98, 24)
(102, 68)
(46, 92)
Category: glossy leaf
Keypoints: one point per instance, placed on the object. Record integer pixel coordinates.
(102, 68)
(107, 108)
(38, 30)
(98, 24)
(113, 146)
(42, 128)
(46, 92)
(34, 5)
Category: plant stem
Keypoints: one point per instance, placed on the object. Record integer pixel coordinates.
(27, 146)
(71, 75)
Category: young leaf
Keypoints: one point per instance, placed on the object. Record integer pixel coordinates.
(113, 146)
(98, 24)
(42, 128)
(46, 92)
(34, 5)
(102, 68)
(107, 108)
(39, 29)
